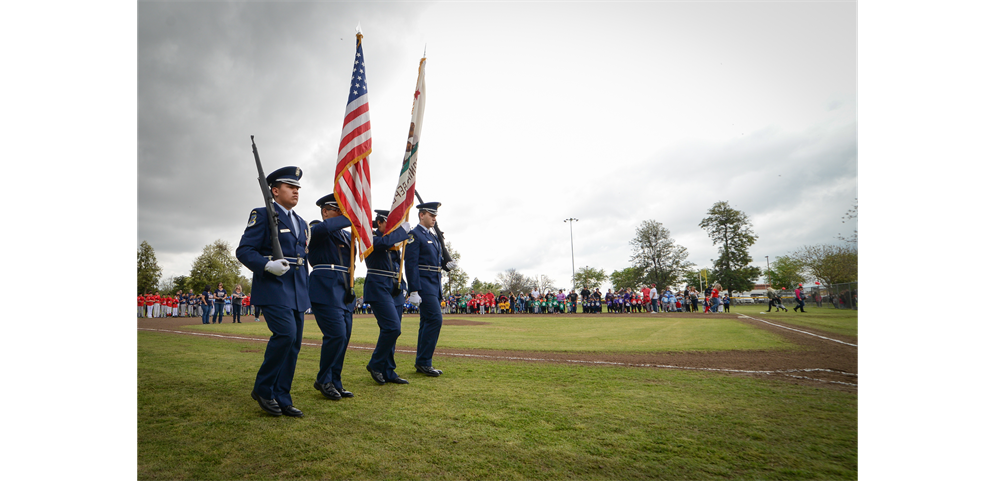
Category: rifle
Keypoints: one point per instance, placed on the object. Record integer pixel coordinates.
(446, 258)
(271, 214)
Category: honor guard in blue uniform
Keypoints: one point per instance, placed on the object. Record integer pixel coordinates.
(331, 295)
(280, 288)
(384, 292)
(423, 269)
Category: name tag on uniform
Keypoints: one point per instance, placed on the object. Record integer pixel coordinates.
(429, 242)
(284, 231)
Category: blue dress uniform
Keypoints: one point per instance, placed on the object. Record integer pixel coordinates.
(329, 256)
(423, 270)
(283, 299)
(382, 269)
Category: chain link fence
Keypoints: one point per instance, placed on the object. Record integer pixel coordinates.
(837, 296)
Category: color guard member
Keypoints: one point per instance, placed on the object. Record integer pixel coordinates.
(280, 288)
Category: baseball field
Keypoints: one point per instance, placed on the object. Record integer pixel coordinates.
(742, 395)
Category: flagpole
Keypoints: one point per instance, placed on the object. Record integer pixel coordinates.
(411, 156)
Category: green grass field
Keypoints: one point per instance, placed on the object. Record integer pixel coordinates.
(599, 333)
(834, 321)
(492, 419)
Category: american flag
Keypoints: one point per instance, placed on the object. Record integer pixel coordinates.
(352, 172)
(404, 194)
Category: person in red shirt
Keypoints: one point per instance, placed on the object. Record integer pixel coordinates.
(156, 305)
(715, 297)
(141, 305)
(490, 302)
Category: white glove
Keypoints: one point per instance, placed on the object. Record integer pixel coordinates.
(406, 227)
(451, 265)
(414, 298)
(278, 267)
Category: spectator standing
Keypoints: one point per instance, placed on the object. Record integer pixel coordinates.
(154, 307)
(654, 299)
(219, 304)
(184, 302)
(236, 304)
(715, 297)
(206, 302)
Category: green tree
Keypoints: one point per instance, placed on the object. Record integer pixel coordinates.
(732, 230)
(661, 260)
(216, 264)
(456, 279)
(358, 284)
(695, 277)
(589, 276)
(483, 287)
(149, 271)
(628, 278)
(785, 271)
(830, 264)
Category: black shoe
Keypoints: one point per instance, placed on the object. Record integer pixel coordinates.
(428, 370)
(268, 405)
(291, 411)
(328, 389)
(378, 377)
(343, 392)
(398, 380)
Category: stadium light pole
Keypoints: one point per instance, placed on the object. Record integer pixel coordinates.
(573, 272)
(768, 270)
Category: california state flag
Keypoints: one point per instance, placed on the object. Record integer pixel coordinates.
(404, 195)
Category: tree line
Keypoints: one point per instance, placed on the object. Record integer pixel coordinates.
(656, 259)
(216, 264)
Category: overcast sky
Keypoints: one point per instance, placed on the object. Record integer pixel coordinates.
(609, 113)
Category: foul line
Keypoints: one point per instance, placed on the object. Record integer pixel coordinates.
(797, 330)
(783, 372)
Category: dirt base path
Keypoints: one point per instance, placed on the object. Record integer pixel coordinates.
(822, 359)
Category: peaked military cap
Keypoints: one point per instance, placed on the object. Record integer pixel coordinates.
(430, 207)
(381, 214)
(328, 200)
(288, 175)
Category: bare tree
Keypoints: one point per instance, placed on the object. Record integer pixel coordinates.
(542, 283)
(513, 281)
